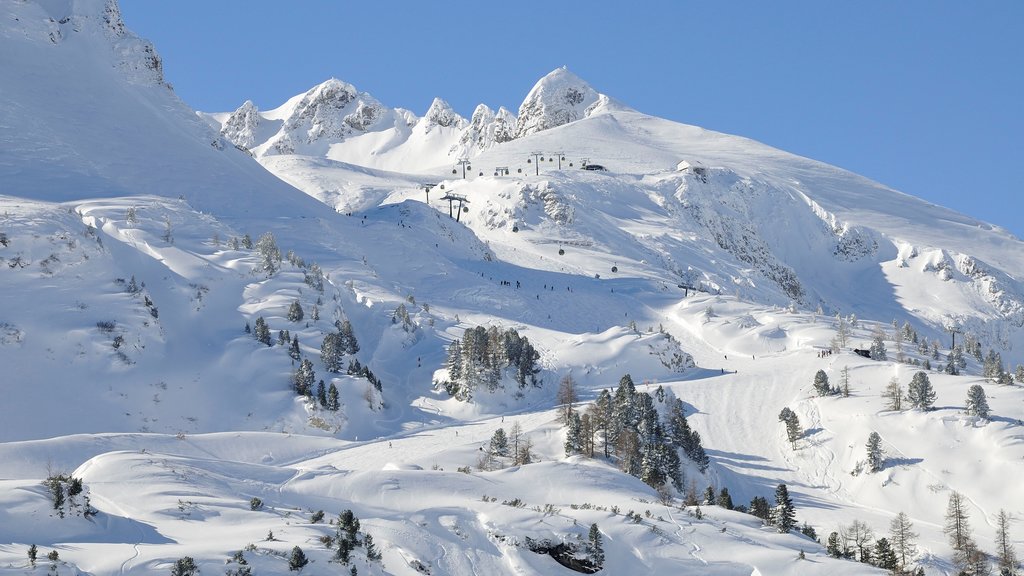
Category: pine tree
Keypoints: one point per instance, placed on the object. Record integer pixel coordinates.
(783, 515)
(1006, 555)
(184, 567)
(977, 404)
(33, 553)
(793, 430)
(297, 560)
(304, 378)
(920, 393)
(573, 435)
(876, 458)
(349, 344)
(724, 499)
(293, 348)
(709, 499)
(877, 347)
(499, 443)
(372, 553)
(832, 548)
(902, 537)
(884, 556)
(295, 313)
(821, 385)
(957, 527)
(331, 352)
(270, 255)
(332, 398)
(894, 394)
(262, 331)
(321, 394)
(595, 549)
(759, 508)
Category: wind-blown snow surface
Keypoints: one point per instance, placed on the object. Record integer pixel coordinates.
(126, 363)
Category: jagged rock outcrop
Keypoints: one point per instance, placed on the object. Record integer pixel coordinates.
(240, 127)
(441, 113)
(486, 128)
(326, 113)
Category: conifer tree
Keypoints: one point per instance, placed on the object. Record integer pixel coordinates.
(724, 499)
(349, 344)
(262, 331)
(884, 556)
(595, 548)
(184, 567)
(920, 393)
(709, 496)
(876, 458)
(304, 378)
(297, 561)
(332, 398)
(331, 352)
(902, 537)
(372, 553)
(499, 443)
(573, 435)
(957, 527)
(293, 348)
(877, 347)
(759, 508)
(270, 255)
(783, 515)
(844, 382)
(977, 404)
(832, 548)
(1006, 555)
(321, 394)
(821, 385)
(793, 430)
(295, 313)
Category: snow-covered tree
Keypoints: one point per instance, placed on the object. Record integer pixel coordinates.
(499, 443)
(304, 378)
(920, 393)
(759, 508)
(321, 394)
(293, 349)
(184, 567)
(295, 313)
(783, 515)
(567, 396)
(262, 331)
(331, 352)
(877, 347)
(876, 458)
(724, 499)
(297, 560)
(270, 255)
(821, 385)
(844, 382)
(977, 404)
(573, 435)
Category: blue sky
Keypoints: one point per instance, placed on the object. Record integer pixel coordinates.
(924, 96)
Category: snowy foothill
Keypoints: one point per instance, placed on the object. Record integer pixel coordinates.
(228, 335)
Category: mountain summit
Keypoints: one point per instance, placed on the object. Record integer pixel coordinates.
(559, 98)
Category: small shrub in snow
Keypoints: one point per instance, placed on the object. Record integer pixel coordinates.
(255, 503)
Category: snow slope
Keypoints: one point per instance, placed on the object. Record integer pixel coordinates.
(128, 285)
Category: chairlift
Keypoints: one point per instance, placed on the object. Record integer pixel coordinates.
(561, 251)
(529, 160)
(482, 173)
(615, 268)
(519, 170)
(455, 171)
(515, 228)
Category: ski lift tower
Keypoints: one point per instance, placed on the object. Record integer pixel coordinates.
(537, 157)
(561, 156)
(452, 197)
(426, 188)
(464, 162)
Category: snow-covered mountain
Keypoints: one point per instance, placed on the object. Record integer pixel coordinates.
(166, 297)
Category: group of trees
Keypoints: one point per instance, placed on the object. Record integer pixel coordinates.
(479, 359)
(348, 538)
(627, 425)
(857, 542)
(514, 445)
(968, 558)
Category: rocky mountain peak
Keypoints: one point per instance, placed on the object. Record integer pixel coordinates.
(556, 99)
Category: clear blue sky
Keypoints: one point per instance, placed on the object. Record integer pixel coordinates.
(926, 96)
